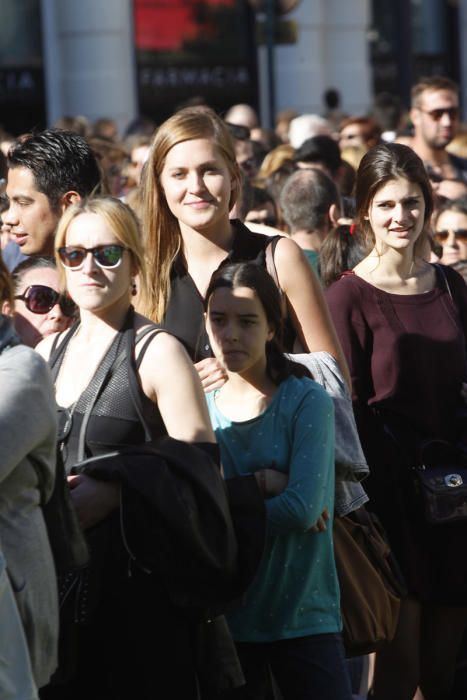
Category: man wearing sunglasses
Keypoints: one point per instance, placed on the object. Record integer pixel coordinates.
(47, 171)
(435, 116)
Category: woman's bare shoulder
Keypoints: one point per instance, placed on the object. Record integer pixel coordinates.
(45, 346)
(160, 341)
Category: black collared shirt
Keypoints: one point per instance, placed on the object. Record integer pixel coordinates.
(184, 317)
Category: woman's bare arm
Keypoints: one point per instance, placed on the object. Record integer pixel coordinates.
(170, 380)
(306, 304)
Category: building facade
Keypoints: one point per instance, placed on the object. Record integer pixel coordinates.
(121, 58)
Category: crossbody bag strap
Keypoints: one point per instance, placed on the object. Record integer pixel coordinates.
(443, 276)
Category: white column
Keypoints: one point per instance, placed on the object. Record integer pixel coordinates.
(89, 59)
(331, 51)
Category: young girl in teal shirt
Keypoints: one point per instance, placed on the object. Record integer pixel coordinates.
(272, 420)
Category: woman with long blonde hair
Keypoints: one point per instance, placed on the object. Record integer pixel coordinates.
(113, 374)
(190, 185)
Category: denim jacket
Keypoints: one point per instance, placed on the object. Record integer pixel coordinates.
(351, 466)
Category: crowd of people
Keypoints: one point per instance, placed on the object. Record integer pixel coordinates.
(161, 295)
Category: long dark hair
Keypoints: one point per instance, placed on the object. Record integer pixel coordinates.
(381, 164)
(342, 249)
(255, 277)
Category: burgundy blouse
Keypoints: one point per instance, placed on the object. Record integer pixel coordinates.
(407, 353)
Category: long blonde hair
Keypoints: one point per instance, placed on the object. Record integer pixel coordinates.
(161, 230)
(124, 224)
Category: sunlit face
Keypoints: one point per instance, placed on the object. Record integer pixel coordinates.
(434, 126)
(238, 329)
(245, 157)
(450, 189)
(92, 287)
(351, 136)
(32, 327)
(31, 219)
(397, 214)
(197, 185)
(451, 232)
(139, 156)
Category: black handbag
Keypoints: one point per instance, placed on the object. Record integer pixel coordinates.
(440, 482)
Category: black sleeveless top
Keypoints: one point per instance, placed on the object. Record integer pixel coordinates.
(113, 410)
(184, 317)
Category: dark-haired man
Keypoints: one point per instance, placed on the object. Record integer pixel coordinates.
(435, 116)
(47, 172)
(311, 205)
(320, 152)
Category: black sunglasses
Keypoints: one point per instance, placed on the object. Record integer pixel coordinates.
(106, 256)
(442, 236)
(40, 299)
(436, 114)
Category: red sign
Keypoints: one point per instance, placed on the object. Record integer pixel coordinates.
(164, 25)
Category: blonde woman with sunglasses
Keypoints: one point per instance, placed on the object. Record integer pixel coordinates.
(132, 624)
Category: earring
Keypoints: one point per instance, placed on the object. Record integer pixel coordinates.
(134, 290)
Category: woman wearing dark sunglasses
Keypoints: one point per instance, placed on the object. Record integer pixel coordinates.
(104, 391)
(40, 309)
(451, 231)
(28, 434)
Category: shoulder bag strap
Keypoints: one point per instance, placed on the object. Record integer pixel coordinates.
(440, 269)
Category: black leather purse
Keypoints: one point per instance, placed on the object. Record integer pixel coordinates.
(440, 482)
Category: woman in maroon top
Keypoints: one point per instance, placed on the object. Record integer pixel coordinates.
(404, 339)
